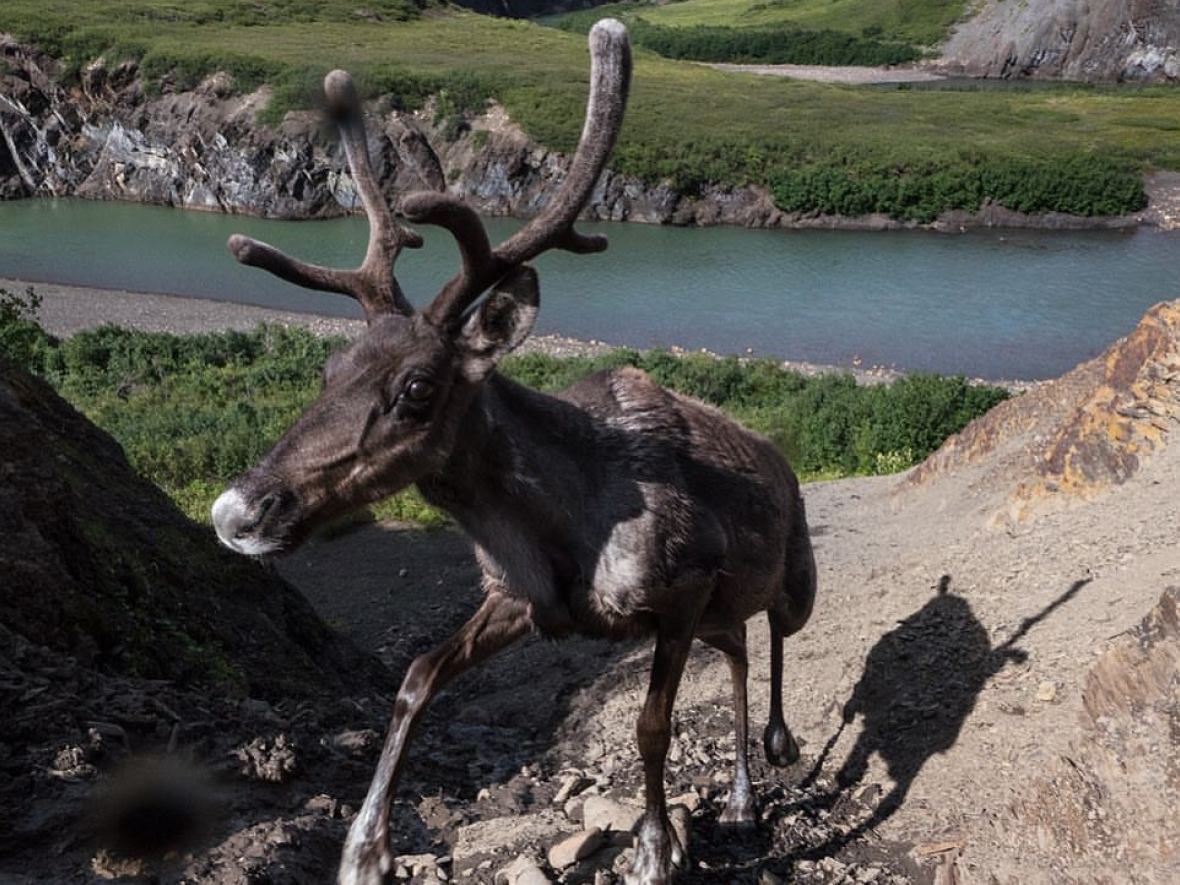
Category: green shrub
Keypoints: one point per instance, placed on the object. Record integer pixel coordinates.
(770, 44)
(22, 339)
(193, 411)
(1080, 184)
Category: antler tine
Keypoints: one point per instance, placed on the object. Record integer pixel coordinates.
(480, 266)
(386, 237)
(610, 80)
(372, 284)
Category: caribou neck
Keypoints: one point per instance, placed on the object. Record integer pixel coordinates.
(512, 467)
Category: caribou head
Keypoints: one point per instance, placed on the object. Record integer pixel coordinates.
(393, 399)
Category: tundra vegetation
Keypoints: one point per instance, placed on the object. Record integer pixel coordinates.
(817, 148)
(194, 411)
(916, 22)
(811, 32)
(781, 44)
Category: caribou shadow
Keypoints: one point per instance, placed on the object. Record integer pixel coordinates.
(921, 681)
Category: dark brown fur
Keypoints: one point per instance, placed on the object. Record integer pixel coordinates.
(616, 508)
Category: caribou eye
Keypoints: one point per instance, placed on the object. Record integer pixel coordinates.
(419, 390)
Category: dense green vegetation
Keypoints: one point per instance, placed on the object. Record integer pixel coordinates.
(780, 44)
(768, 45)
(918, 22)
(1081, 184)
(193, 411)
(814, 146)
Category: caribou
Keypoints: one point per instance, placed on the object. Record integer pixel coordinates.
(616, 508)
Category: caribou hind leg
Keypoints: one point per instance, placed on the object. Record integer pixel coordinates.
(786, 618)
(778, 742)
(499, 622)
(741, 809)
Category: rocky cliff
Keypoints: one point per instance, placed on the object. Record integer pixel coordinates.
(1091, 40)
(108, 138)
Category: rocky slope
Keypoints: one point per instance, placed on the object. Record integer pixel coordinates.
(1070, 440)
(979, 699)
(205, 149)
(1091, 40)
(125, 631)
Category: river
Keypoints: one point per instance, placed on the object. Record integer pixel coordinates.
(993, 304)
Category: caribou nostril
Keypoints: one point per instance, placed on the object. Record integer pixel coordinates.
(265, 506)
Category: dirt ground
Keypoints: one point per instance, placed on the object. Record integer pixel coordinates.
(940, 674)
(499, 745)
(943, 693)
(978, 621)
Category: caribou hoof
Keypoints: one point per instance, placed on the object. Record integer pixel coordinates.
(739, 812)
(658, 853)
(365, 864)
(779, 743)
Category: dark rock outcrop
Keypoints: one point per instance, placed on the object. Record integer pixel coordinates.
(1091, 40)
(97, 564)
(148, 678)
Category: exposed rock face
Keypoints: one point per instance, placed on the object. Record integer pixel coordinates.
(1112, 802)
(1070, 439)
(1071, 39)
(97, 564)
(206, 149)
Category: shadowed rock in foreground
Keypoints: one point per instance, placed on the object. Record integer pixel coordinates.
(98, 564)
(126, 634)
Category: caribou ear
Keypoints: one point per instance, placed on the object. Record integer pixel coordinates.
(501, 323)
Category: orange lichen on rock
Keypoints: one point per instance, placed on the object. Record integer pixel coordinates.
(1074, 437)
(1123, 422)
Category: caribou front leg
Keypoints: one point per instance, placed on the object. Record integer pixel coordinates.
(657, 849)
(741, 810)
(500, 621)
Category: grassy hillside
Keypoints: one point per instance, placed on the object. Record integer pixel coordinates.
(923, 22)
(825, 32)
(818, 148)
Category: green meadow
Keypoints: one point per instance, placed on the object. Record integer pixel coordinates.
(921, 22)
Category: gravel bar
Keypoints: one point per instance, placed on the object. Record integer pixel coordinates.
(66, 310)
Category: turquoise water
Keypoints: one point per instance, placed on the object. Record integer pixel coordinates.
(995, 304)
